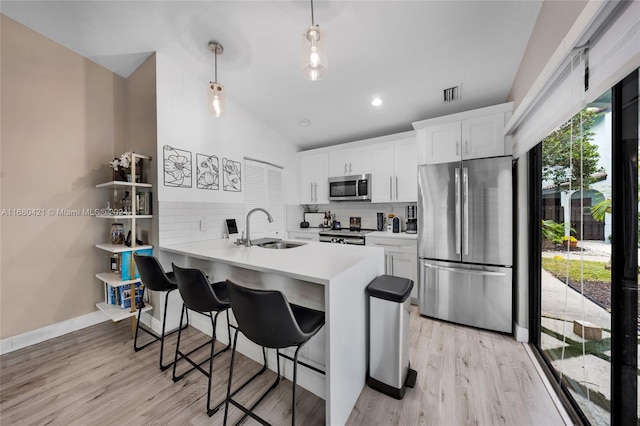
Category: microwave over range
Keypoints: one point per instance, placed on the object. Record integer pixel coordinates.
(350, 188)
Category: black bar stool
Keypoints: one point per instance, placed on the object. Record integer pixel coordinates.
(267, 319)
(204, 298)
(155, 279)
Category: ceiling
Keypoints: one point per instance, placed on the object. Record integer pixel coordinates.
(405, 52)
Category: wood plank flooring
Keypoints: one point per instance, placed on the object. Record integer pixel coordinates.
(93, 376)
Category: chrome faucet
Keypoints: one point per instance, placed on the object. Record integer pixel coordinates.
(247, 241)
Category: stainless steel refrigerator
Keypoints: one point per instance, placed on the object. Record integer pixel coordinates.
(465, 242)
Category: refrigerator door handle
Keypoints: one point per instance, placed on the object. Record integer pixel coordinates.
(457, 184)
(465, 212)
(465, 271)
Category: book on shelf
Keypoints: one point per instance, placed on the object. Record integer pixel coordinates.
(111, 295)
(124, 293)
(128, 270)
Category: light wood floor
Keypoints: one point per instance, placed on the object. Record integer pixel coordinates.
(93, 376)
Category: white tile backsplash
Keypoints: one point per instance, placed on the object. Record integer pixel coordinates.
(344, 210)
(179, 221)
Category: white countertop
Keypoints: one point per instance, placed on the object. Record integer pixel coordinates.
(385, 234)
(313, 262)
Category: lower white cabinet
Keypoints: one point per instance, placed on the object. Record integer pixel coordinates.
(401, 256)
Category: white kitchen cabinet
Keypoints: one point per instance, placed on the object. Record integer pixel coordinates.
(314, 175)
(440, 144)
(406, 170)
(472, 134)
(395, 171)
(483, 137)
(351, 161)
(401, 256)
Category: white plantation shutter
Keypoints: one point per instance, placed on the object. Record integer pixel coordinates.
(275, 202)
(263, 188)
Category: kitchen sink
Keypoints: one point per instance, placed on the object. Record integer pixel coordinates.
(280, 245)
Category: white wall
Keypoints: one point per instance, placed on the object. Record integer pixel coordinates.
(185, 123)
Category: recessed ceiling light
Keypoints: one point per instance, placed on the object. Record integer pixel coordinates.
(376, 102)
(304, 122)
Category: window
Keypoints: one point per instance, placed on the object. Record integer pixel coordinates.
(584, 298)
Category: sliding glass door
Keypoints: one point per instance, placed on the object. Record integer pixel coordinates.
(584, 269)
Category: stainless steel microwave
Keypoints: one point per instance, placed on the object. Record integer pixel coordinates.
(350, 188)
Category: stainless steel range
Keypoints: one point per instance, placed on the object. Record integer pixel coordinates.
(343, 236)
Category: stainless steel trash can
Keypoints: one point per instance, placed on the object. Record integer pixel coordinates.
(389, 304)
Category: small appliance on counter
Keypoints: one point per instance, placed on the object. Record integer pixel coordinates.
(380, 221)
(396, 225)
(412, 221)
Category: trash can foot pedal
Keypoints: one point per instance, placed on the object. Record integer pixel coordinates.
(412, 375)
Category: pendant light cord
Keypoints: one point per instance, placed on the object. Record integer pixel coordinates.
(313, 22)
(215, 67)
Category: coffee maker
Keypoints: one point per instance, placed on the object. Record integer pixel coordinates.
(412, 220)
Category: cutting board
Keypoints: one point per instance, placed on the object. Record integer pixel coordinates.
(314, 219)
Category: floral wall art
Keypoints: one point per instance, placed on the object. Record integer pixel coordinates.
(207, 172)
(231, 176)
(177, 167)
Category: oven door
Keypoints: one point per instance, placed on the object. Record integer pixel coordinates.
(354, 240)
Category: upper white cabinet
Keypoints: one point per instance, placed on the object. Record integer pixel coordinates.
(314, 175)
(352, 161)
(395, 171)
(472, 134)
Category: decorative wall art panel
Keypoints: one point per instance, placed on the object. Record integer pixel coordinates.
(231, 175)
(177, 167)
(207, 172)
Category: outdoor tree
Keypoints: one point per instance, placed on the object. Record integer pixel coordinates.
(562, 149)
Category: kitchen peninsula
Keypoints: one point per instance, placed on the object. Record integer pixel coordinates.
(328, 277)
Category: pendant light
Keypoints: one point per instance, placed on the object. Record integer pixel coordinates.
(314, 53)
(215, 92)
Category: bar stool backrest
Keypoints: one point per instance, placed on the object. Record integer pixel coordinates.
(196, 291)
(152, 274)
(265, 317)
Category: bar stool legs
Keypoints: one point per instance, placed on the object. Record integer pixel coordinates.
(162, 335)
(248, 412)
(198, 366)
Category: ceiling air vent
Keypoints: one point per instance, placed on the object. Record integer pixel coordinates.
(451, 94)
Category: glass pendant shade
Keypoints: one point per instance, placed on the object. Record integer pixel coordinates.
(215, 99)
(314, 53)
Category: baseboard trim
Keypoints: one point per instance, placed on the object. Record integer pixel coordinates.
(521, 334)
(39, 335)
